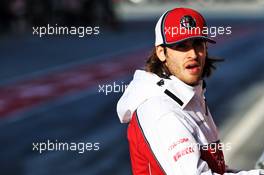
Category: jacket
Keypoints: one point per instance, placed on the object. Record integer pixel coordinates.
(171, 130)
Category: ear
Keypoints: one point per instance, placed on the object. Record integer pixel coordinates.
(160, 53)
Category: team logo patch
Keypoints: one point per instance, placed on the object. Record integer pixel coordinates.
(188, 22)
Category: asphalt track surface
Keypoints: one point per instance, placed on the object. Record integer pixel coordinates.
(51, 90)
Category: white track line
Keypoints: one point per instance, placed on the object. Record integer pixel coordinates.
(245, 129)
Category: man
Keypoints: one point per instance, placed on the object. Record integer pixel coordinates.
(171, 130)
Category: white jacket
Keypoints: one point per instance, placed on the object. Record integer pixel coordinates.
(176, 125)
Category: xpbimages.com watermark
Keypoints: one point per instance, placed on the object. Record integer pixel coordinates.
(114, 87)
(79, 147)
(210, 31)
(212, 147)
(79, 31)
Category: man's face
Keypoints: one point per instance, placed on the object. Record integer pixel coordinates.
(185, 60)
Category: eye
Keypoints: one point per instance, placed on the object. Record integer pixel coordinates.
(198, 43)
(187, 45)
(181, 46)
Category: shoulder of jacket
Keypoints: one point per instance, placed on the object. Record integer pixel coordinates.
(156, 107)
(152, 110)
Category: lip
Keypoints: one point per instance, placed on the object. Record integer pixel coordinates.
(193, 67)
(194, 70)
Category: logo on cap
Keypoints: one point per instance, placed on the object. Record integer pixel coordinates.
(188, 22)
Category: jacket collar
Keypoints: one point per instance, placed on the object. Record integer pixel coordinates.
(181, 92)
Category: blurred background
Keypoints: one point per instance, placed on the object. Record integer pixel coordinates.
(54, 87)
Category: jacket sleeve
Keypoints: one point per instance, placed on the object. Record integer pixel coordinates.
(175, 148)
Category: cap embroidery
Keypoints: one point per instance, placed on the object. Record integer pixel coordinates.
(188, 22)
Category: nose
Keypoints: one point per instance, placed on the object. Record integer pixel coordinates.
(192, 53)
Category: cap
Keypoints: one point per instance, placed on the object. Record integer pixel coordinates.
(180, 24)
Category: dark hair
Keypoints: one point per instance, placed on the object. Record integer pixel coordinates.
(158, 67)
